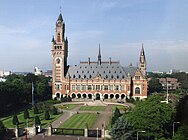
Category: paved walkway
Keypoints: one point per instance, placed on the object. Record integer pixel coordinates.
(103, 118)
(66, 115)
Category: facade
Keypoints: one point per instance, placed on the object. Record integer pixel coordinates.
(173, 83)
(94, 79)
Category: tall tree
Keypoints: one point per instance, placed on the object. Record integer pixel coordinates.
(153, 117)
(37, 120)
(2, 130)
(154, 85)
(15, 120)
(46, 115)
(123, 130)
(116, 115)
(26, 114)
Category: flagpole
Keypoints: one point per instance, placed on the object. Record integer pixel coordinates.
(33, 102)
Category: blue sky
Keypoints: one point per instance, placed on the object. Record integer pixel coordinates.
(120, 26)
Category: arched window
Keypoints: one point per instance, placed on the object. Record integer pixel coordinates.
(137, 90)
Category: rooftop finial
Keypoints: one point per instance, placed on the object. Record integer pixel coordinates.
(99, 55)
(60, 9)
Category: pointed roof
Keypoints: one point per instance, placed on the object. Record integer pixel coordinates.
(142, 50)
(60, 18)
(142, 54)
(53, 39)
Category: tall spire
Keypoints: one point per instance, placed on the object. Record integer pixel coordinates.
(99, 55)
(142, 62)
(142, 55)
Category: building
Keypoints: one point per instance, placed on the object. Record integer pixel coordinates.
(37, 71)
(94, 79)
(173, 83)
(5, 73)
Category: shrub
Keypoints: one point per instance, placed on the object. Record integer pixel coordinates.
(15, 120)
(36, 111)
(26, 114)
(37, 120)
(54, 110)
(46, 115)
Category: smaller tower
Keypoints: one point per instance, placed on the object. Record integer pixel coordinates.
(99, 56)
(142, 61)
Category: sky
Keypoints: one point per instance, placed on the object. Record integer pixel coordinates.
(119, 26)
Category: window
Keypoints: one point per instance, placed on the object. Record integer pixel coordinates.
(78, 87)
(137, 77)
(97, 87)
(89, 87)
(111, 87)
(137, 90)
(57, 86)
(83, 87)
(93, 87)
(116, 87)
(73, 87)
(122, 87)
(105, 87)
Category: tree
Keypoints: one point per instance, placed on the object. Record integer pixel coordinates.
(182, 133)
(15, 120)
(37, 120)
(46, 115)
(36, 111)
(123, 130)
(2, 130)
(54, 110)
(116, 115)
(153, 117)
(154, 85)
(26, 114)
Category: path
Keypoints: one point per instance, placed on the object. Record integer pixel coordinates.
(103, 118)
(66, 115)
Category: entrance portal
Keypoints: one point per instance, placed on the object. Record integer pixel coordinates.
(97, 96)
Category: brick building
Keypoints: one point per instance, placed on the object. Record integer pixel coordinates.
(173, 83)
(94, 79)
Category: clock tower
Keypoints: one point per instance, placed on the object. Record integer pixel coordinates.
(59, 56)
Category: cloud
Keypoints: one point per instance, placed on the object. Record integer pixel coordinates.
(9, 30)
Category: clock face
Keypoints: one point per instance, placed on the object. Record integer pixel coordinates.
(57, 60)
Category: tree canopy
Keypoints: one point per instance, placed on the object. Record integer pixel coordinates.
(15, 92)
(152, 116)
(123, 130)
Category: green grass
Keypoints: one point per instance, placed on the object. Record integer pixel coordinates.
(92, 108)
(22, 122)
(79, 121)
(67, 106)
(120, 107)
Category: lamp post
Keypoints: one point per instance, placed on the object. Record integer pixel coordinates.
(166, 93)
(139, 132)
(97, 133)
(173, 126)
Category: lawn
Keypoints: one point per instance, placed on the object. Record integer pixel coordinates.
(92, 108)
(67, 106)
(22, 122)
(79, 121)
